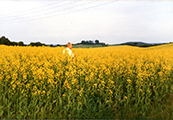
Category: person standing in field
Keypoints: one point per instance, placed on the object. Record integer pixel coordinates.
(68, 51)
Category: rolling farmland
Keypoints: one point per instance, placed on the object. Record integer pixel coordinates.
(118, 82)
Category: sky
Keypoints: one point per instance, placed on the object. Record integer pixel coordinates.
(62, 21)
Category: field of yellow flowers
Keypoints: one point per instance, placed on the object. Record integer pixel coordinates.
(108, 83)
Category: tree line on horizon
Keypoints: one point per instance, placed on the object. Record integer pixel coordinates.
(6, 41)
(90, 42)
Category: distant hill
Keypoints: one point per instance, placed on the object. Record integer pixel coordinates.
(141, 44)
(134, 43)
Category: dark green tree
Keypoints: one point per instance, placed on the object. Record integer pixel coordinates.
(86, 42)
(21, 43)
(90, 42)
(5, 41)
(36, 44)
(96, 41)
(83, 42)
(14, 43)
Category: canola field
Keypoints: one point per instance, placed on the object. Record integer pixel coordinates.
(119, 82)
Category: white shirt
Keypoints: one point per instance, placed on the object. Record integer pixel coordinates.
(68, 50)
